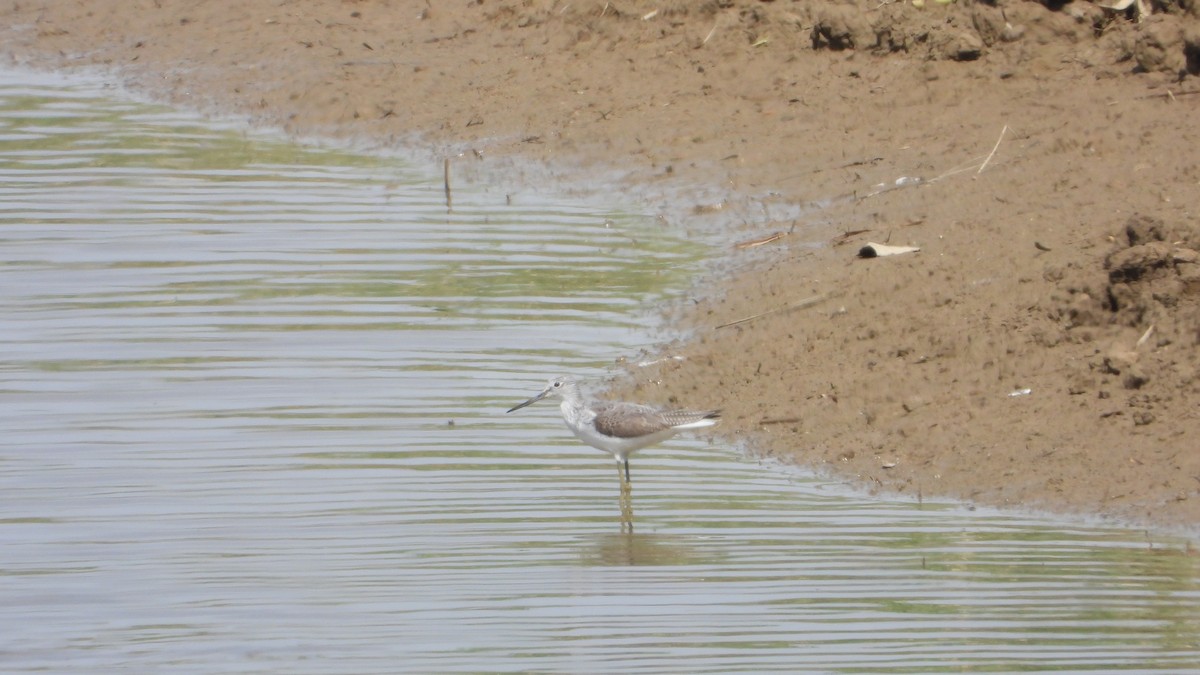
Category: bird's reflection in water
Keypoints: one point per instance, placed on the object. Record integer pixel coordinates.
(627, 548)
(618, 549)
(626, 502)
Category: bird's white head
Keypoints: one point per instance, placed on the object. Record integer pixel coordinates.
(559, 387)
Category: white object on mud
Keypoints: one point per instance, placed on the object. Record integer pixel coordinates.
(873, 250)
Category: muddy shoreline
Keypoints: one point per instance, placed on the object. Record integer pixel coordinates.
(1041, 349)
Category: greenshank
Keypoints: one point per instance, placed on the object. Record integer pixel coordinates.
(619, 429)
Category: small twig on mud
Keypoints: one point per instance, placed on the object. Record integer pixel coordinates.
(1168, 94)
(965, 166)
(993, 152)
(1145, 336)
(779, 420)
(766, 240)
(807, 302)
(860, 162)
(977, 163)
(845, 236)
(710, 33)
(759, 242)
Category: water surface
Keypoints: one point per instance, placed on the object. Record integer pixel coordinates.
(252, 395)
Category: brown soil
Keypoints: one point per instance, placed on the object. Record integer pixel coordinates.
(1040, 350)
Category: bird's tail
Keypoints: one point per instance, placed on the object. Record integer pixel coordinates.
(686, 419)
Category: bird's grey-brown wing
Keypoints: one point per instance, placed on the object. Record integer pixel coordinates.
(628, 420)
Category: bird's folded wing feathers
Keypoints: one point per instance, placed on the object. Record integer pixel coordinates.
(630, 420)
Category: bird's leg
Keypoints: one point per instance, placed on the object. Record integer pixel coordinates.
(626, 463)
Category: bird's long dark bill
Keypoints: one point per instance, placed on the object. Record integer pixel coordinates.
(531, 401)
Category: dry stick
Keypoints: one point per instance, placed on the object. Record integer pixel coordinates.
(971, 163)
(993, 152)
(1167, 94)
(980, 162)
(760, 242)
(807, 302)
(965, 166)
(1145, 336)
(446, 181)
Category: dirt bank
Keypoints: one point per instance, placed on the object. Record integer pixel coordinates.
(1040, 350)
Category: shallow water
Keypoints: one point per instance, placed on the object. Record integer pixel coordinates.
(253, 394)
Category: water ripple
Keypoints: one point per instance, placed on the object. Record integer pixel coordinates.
(253, 396)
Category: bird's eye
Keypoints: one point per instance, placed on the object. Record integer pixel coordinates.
(557, 385)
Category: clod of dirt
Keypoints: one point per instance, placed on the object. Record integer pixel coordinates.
(1134, 263)
(1148, 286)
(1164, 45)
(959, 45)
(1124, 362)
(842, 27)
(1154, 278)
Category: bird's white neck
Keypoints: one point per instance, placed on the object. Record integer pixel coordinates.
(572, 402)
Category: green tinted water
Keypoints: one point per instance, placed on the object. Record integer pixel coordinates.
(253, 397)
